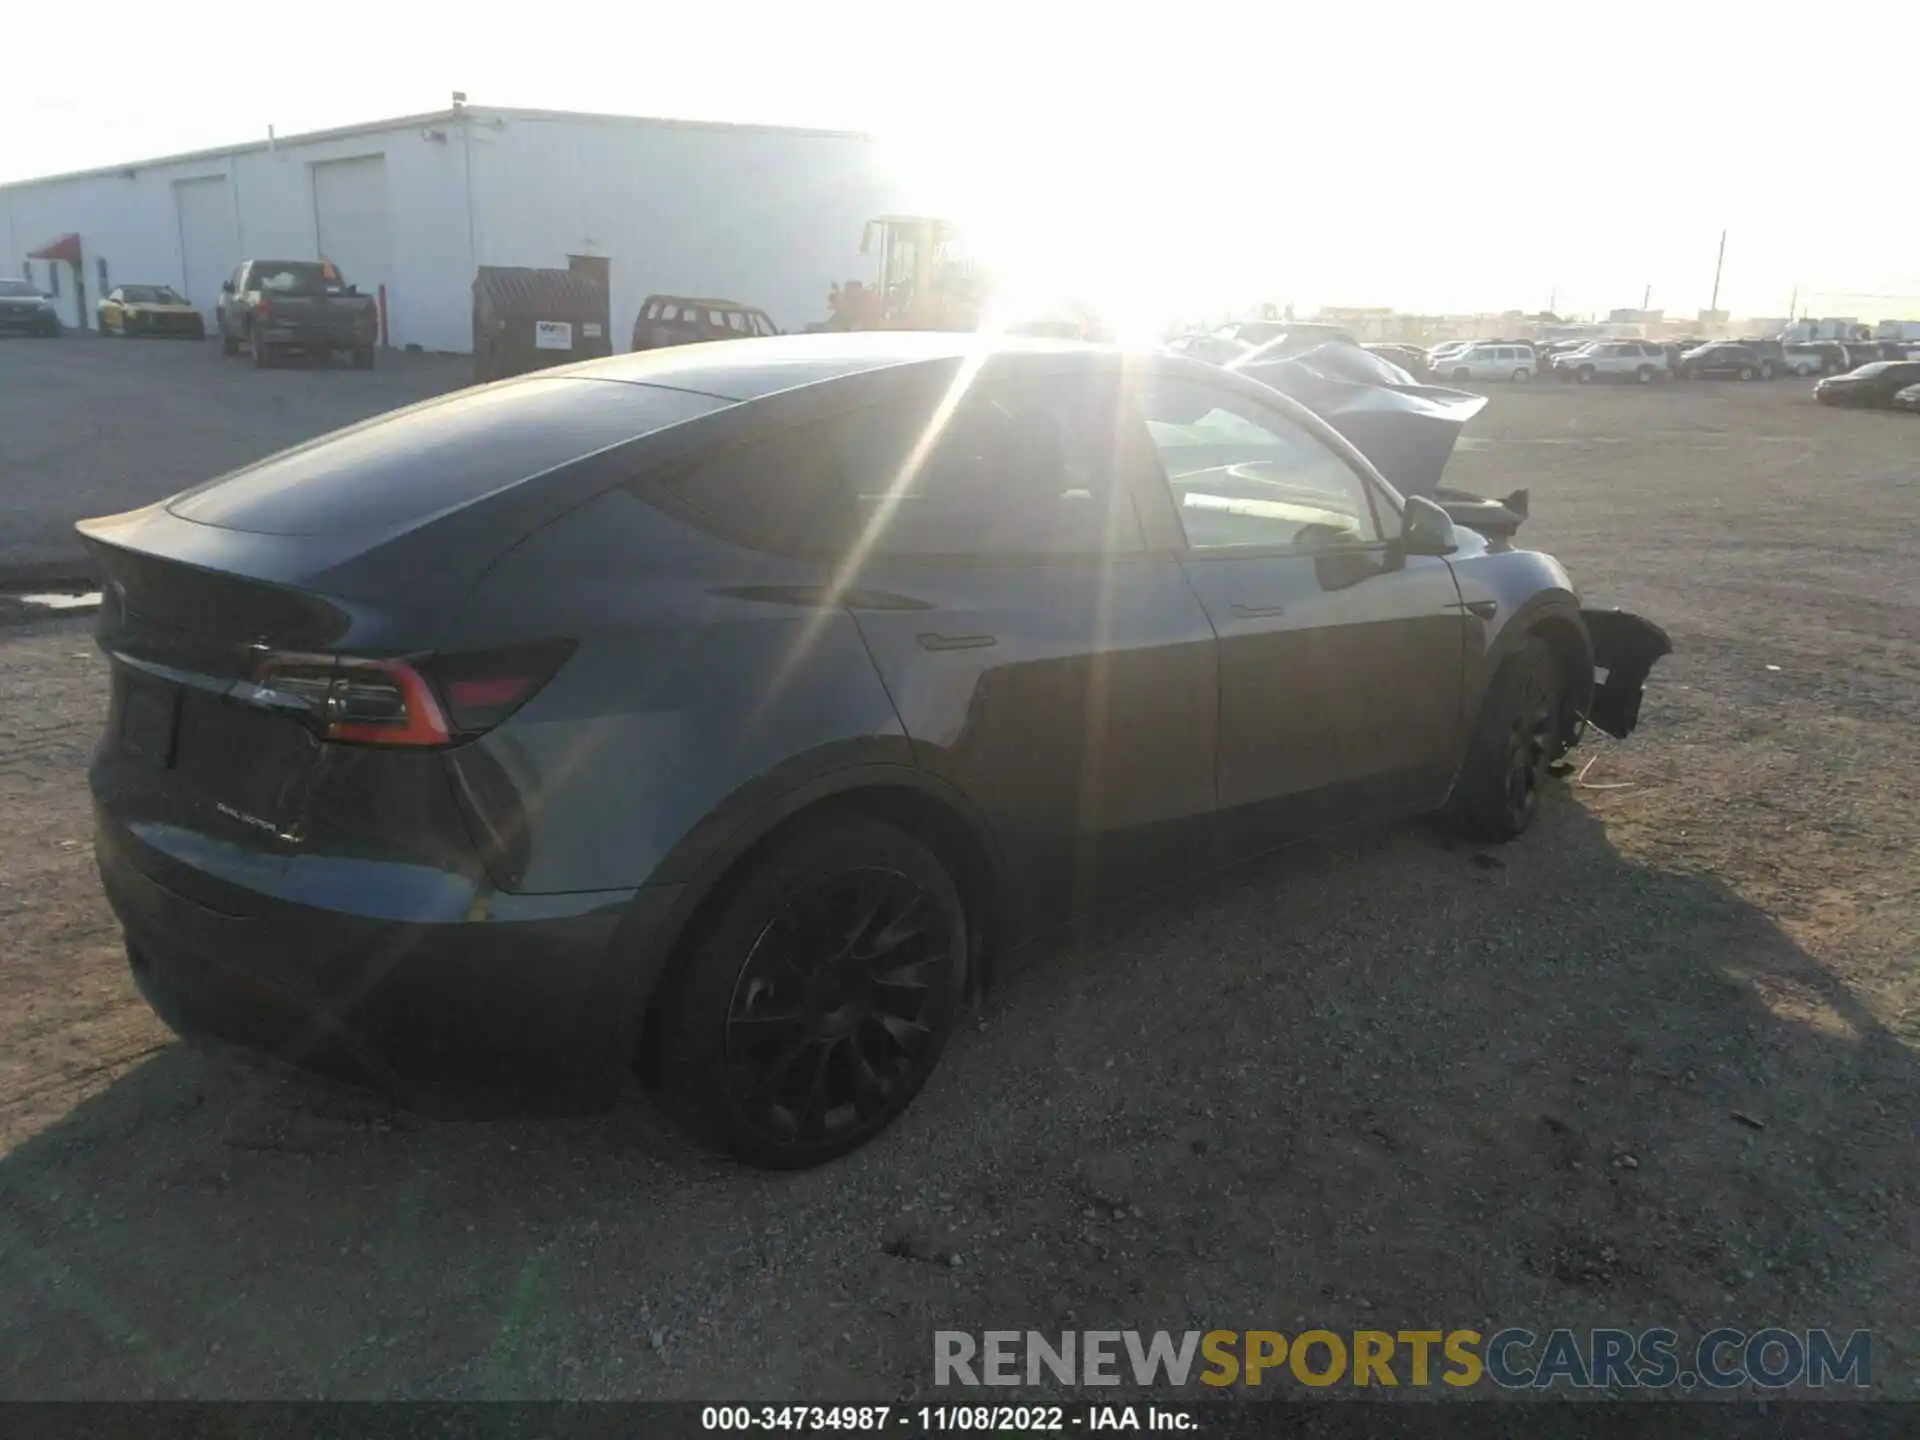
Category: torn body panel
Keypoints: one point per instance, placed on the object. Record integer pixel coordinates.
(1625, 649)
(1405, 428)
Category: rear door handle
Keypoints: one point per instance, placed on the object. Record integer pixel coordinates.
(1254, 612)
(956, 642)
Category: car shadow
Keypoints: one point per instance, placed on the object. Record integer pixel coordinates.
(1385, 1080)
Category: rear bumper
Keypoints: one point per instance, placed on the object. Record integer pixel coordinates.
(296, 339)
(524, 1003)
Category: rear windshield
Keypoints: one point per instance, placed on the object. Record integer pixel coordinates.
(420, 462)
(297, 277)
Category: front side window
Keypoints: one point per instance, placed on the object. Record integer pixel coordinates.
(1244, 476)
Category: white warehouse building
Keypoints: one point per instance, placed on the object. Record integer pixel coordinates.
(410, 208)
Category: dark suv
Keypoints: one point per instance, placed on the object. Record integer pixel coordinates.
(1742, 359)
(725, 709)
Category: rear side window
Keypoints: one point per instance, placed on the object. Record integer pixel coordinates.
(419, 462)
(1036, 471)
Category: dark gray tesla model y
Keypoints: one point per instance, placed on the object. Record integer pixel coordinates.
(719, 710)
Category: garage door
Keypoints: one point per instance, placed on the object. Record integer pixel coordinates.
(209, 248)
(350, 215)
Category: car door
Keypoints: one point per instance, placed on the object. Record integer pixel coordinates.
(1044, 661)
(1340, 657)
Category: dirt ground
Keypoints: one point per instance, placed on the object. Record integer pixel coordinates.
(1654, 1064)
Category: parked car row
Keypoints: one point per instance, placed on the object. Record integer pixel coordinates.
(1646, 362)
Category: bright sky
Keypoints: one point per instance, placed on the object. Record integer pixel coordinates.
(1188, 155)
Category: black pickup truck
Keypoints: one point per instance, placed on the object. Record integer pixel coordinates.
(272, 306)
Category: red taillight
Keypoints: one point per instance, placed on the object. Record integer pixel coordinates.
(358, 701)
(484, 687)
(266, 307)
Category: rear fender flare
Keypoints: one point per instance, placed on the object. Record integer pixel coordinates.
(644, 946)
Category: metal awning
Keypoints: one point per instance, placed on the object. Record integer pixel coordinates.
(66, 248)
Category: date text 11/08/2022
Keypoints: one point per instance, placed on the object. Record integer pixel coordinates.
(936, 1419)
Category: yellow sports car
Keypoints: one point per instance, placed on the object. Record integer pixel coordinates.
(150, 310)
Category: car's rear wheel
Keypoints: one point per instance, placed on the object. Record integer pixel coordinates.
(1747, 372)
(1644, 375)
(1518, 737)
(810, 1012)
(1584, 374)
(1522, 376)
(363, 357)
(258, 350)
(1766, 369)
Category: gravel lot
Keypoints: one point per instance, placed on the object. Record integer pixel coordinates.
(1382, 1081)
(90, 426)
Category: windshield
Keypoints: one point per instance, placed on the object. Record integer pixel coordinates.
(17, 287)
(298, 277)
(150, 295)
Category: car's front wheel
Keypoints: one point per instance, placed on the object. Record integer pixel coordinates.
(1584, 374)
(815, 1005)
(1518, 737)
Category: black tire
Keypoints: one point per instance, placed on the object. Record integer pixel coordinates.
(363, 357)
(1518, 736)
(258, 350)
(1584, 375)
(833, 1055)
(1522, 376)
(1644, 375)
(1766, 369)
(1746, 372)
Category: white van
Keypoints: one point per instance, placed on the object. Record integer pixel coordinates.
(1487, 361)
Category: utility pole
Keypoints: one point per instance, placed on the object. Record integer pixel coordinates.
(1646, 299)
(1793, 305)
(1713, 305)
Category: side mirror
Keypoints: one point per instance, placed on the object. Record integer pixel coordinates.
(1426, 529)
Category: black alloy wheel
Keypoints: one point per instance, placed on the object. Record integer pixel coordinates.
(1509, 758)
(829, 1014)
(820, 1003)
(1529, 746)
